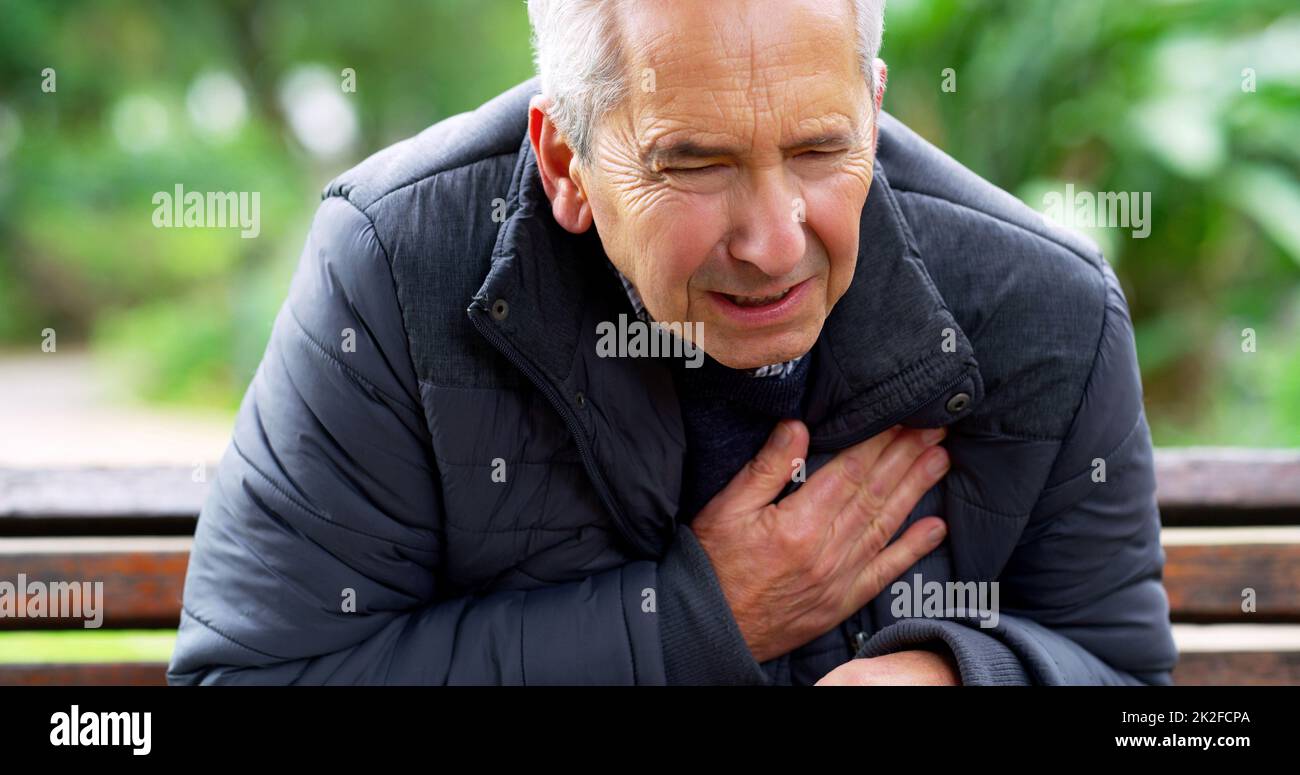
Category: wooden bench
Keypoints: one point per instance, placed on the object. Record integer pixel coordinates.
(1232, 522)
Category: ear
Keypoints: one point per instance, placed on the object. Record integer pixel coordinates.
(882, 75)
(557, 165)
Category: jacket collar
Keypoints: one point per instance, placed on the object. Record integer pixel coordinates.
(890, 351)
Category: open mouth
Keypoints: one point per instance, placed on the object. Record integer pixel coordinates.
(764, 309)
(756, 301)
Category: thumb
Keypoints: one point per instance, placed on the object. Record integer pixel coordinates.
(763, 478)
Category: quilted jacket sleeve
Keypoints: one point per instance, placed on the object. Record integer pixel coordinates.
(317, 552)
(1088, 606)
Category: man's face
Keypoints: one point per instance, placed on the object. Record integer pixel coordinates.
(730, 193)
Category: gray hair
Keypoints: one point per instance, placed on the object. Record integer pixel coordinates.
(577, 53)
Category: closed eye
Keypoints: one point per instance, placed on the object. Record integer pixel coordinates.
(813, 154)
(693, 170)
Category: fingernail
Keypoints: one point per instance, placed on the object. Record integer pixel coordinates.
(932, 435)
(936, 535)
(937, 463)
(783, 434)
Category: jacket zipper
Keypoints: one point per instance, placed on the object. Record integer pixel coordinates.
(557, 402)
(858, 639)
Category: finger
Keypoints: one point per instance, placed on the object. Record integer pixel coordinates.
(856, 509)
(897, 459)
(893, 561)
(834, 485)
(763, 478)
(876, 534)
(926, 472)
(868, 504)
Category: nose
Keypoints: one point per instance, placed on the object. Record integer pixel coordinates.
(767, 223)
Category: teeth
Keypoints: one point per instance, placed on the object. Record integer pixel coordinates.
(757, 301)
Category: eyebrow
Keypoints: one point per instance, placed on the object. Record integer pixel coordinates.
(679, 150)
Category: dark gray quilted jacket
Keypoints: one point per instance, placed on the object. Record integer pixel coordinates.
(434, 479)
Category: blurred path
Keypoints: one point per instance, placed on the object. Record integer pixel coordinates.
(59, 409)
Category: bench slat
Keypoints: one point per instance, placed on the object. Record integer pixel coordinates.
(1245, 668)
(84, 674)
(143, 577)
(1227, 477)
(102, 501)
(1205, 583)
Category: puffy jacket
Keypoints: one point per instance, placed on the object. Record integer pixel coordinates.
(434, 479)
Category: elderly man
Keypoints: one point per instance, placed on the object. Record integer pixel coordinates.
(908, 385)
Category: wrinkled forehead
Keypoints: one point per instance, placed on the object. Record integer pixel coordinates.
(759, 73)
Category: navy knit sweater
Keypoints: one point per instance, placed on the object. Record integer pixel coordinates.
(728, 415)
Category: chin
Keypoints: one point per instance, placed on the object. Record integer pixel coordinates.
(753, 354)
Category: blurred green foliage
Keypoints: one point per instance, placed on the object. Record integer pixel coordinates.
(1109, 95)
(1121, 95)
